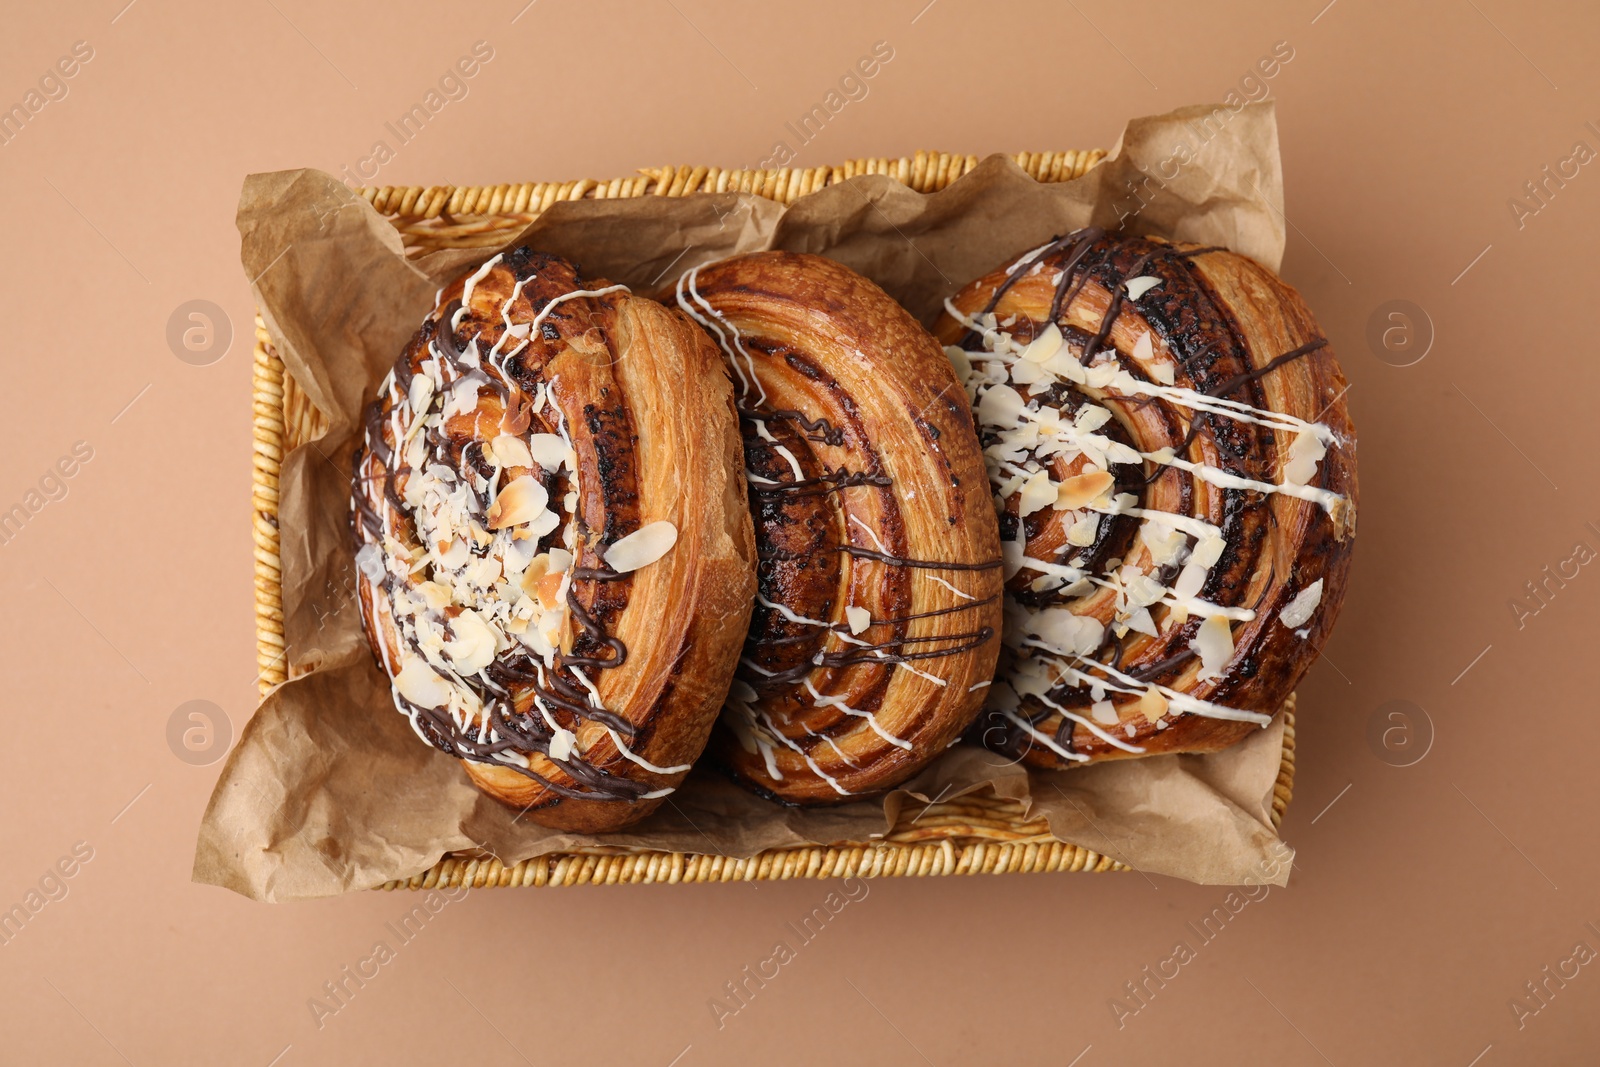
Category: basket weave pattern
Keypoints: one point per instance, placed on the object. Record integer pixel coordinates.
(969, 835)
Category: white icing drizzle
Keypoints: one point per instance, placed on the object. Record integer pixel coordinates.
(876, 540)
(1044, 698)
(935, 679)
(782, 450)
(953, 589)
(544, 312)
(1046, 741)
(692, 303)
(628, 753)
(467, 286)
(1176, 698)
(822, 701)
(791, 615)
(758, 729)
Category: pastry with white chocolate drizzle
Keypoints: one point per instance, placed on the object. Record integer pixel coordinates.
(1174, 466)
(876, 627)
(555, 557)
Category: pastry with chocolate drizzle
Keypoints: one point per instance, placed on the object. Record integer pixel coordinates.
(1174, 466)
(555, 557)
(877, 618)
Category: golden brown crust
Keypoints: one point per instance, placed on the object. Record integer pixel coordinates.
(879, 610)
(641, 395)
(1217, 320)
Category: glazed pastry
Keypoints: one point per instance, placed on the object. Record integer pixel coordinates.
(876, 626)
(1174, 467)
(555, 555)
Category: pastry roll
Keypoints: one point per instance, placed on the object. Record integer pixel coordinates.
(1174, 467)
(555, 557)
(877, 617)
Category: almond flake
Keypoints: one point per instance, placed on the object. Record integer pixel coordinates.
(1077, 635)
(1304, 455)
(1208, 551)
(535, 639)
(1103, 712)
(420, 685)
(1213, 643)
(511, 451)
(1144, 349)
(1000, 406)
(473, 648)
(958, 362)
(1084, 489)
(1141, 285)
(455, 555)
(644, 546)
(1067, 365)
(561, 743)
(548, 588)
(1100, 375)
(1037, 492)
(547, 521)
(518, 416)
(369, 560)
(435, 595)
(1083, 532)
(522, 501)
(1090, 417)
(553, 628)
(1190, 581)
(1298, 611)
(1047, 344)
(420, 394)
(1025, 373)
(1163, 541)
(1153, 706)
(859, 618)
(1141, 622)
(463, 397)
(550, 450)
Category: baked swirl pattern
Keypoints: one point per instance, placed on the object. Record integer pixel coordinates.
(876, 626)
(555, 556)
(1173, 462)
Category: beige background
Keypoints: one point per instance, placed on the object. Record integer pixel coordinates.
(1426, 896)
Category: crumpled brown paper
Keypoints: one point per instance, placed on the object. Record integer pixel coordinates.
(329, 790)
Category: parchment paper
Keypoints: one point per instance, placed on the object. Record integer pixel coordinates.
(328, 789)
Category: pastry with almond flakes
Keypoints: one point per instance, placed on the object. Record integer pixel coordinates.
(556, 561)
(1167, 440)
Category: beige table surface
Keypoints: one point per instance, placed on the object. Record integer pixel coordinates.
(1426, 896)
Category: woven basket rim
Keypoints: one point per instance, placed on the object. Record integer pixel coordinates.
(972, 835)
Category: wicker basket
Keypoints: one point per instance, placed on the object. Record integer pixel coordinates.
(970, 835)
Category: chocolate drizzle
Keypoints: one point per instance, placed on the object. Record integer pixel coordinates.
(830, 482)
(920, 564)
